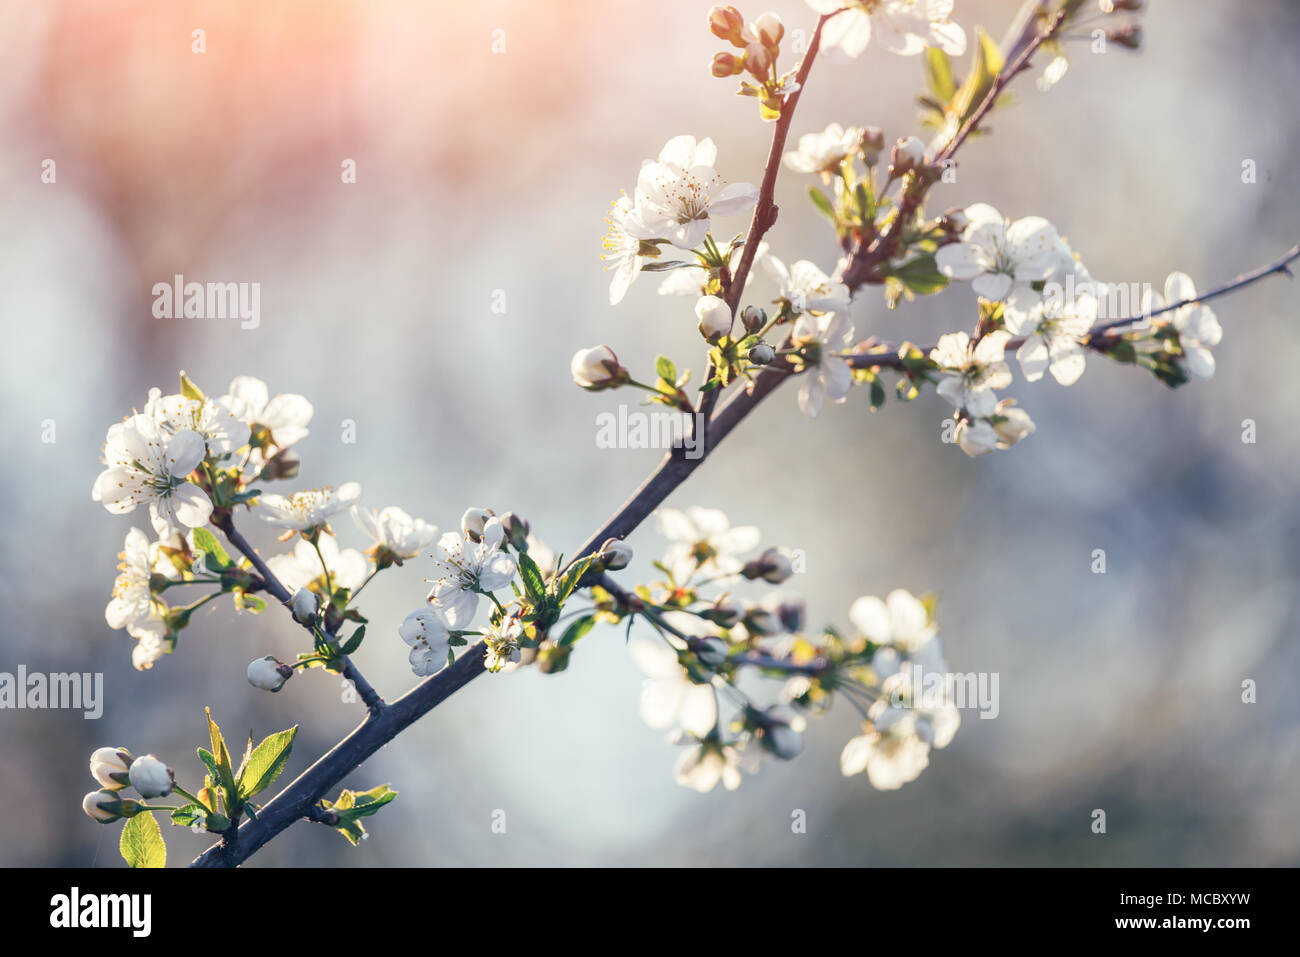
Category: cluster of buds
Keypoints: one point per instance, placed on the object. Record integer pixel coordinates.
(114, 769)
(759, 43)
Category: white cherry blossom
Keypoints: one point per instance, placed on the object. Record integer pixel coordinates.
(394, 531)
(905, 27)
(426, 631)
(806, 288)
(679, 193)
(706, 764)
(974, 370)
(464, 569)
(823, 152)
(669, 698)
(285, 416)
(146, 465)
(133, 606)
(996, 253)
(300, 511)
(1198, 327)
(703, 541)
(827, 374)
(502, 642)
(301, 568)
(900, 621)
(1054, 331)
(213, 419)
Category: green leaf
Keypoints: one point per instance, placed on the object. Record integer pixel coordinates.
(188, 815)
(665, 266)
(920, 275)
(569, 583)
(353, 642)
(212, 551)
(534, 584)
(938, 75)
(866, 201)
(351, 806)
(225, 773)
(249, 602)
(666, 369)
(214, 769)
(576, 630)
(266, 762)
(142, 842)
(822, 203)
(190, 390)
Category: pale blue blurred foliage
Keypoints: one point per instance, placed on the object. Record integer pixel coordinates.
(481, 172)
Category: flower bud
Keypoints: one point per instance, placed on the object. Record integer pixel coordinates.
(760, 621)
(793, 613)
(908, 153)
(111, 767)
(516, 529)
(781, 735)
(615, 554)
(597, 368)
(303, 606)
(283, 465)
(724, 613)
(474, 521)
(873, 138)
(727, 24)
(714, 316)
(711, 651)
(268, 673)
(758, 61)
(753, 318)
(771, 566)
(762, 354)
(955, 221)
(770, 30)
(151, 777)
(727, 64)
(107, 806)
(1129, 35)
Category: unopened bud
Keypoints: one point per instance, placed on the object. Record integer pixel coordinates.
(758, 61)
(955, 221)
(283, 465)
(714, 316)
(727, 24)
(781, 735)
(753, 318)
(908, 153)
(724, 613)
(516, 529)
(711, 651)
(597, 368)
(111, 767)
(873, 138)
(727, 64)
(268, 673)
(793, 614)
(771, 566)
(107, 806)
(615, 554)
(762, 354)
(474, 521)
(1129, 36)
(769, 29)
(760, 621)
(303, 606)
(151, 777)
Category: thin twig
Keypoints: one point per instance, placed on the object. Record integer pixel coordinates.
(365, 690)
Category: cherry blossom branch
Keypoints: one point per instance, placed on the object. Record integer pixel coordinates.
(273, 585)
(888, 357)
(765, 209)
(871, 254)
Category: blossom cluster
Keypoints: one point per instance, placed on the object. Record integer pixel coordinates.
(707, 634)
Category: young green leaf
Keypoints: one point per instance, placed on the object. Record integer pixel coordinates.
(142, 842)
(266, 762)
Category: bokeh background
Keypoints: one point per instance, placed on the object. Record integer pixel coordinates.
(481, 171)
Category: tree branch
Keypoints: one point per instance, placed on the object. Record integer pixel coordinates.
(273, 585)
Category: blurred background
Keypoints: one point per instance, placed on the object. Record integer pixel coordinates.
(483, 177)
